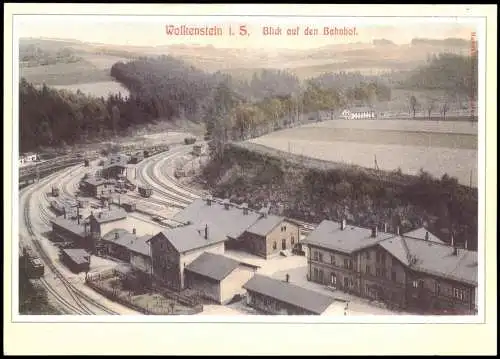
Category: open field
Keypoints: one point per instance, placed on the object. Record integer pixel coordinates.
(450, 150)
(97, 89)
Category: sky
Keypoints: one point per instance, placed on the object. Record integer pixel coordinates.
(150, 31)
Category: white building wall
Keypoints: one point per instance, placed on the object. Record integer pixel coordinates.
(187, 258)
(233, 283)
(140, 262)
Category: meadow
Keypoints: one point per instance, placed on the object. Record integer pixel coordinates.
(447, 147)
(97, 89)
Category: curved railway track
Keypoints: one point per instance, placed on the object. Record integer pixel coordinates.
(76, 301)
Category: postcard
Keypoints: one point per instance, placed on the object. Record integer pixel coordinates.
(249, 166)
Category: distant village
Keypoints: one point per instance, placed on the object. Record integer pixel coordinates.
(414, 271)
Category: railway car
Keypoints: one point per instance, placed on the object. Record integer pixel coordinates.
(55, 192)
(145, 191)
(33, 265)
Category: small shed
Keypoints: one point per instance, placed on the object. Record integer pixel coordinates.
(77, 260)
(145, 191)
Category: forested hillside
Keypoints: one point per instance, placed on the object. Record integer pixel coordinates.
(454, 73)
(166, 89)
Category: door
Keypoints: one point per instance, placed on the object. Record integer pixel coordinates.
(346, 282)
(333, 280)
(283, 244)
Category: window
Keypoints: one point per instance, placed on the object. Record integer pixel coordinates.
(367, 269)
(316, 255)
(394, 261)
(383, 272)
(436, 287)
(459, 293)
(320, 257)
(275, 245)
(393, 276)
(416, 283)
(320, 276)
(377, 257)
(377, 272)
(346, 263)
(367, 255)
(293, 240)
(332, 259)
(333, 279)
(346, 282)
(316, 274)
(350, 264)
(382, 257)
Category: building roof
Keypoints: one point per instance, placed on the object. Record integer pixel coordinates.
(421, 232)
(264, 225)
(128, 240)
(116, 161)
(232, 221)
(434, 258)
(358, 109)
(190, 237)
(79, 256)
(68, 225)
(213, 266)
(94, 181)
(329, 235)
(110, 216)
(312, 301)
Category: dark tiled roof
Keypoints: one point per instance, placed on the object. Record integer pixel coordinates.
(190, 237)
(420, 233)
(128, 240)
(110, 216)
(213, 266)
(70, 226)
(435, 258)
(93, 181)
(265, 225)
(79, 256)
(312, 301)
(232, 221)
(329, 235)
(116, 161)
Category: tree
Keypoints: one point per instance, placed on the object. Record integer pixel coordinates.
(430, 104)
(444, 108)
(413, 105)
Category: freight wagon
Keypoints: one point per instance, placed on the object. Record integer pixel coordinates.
(145, 191)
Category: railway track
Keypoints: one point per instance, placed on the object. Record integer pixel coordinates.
(77, 302)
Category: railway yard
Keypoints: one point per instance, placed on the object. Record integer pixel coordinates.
(68, 291)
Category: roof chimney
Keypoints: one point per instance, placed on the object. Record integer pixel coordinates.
(426, 236)
(206, 231)
(385, 227)
(452, 240)
(134, 231)
(226, 204)
(245, 208)
(116, 235)
(209, 200)
(100, 215)
(287, 278)
(374, 231)
(342, 224)
(397, 230)
(465, 244)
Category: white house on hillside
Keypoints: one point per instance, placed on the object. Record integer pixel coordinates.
(359, 113)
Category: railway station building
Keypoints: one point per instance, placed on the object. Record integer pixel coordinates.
(105, 221)
(256, 232)
(174, 249)
(416, 271)
(93, 186)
